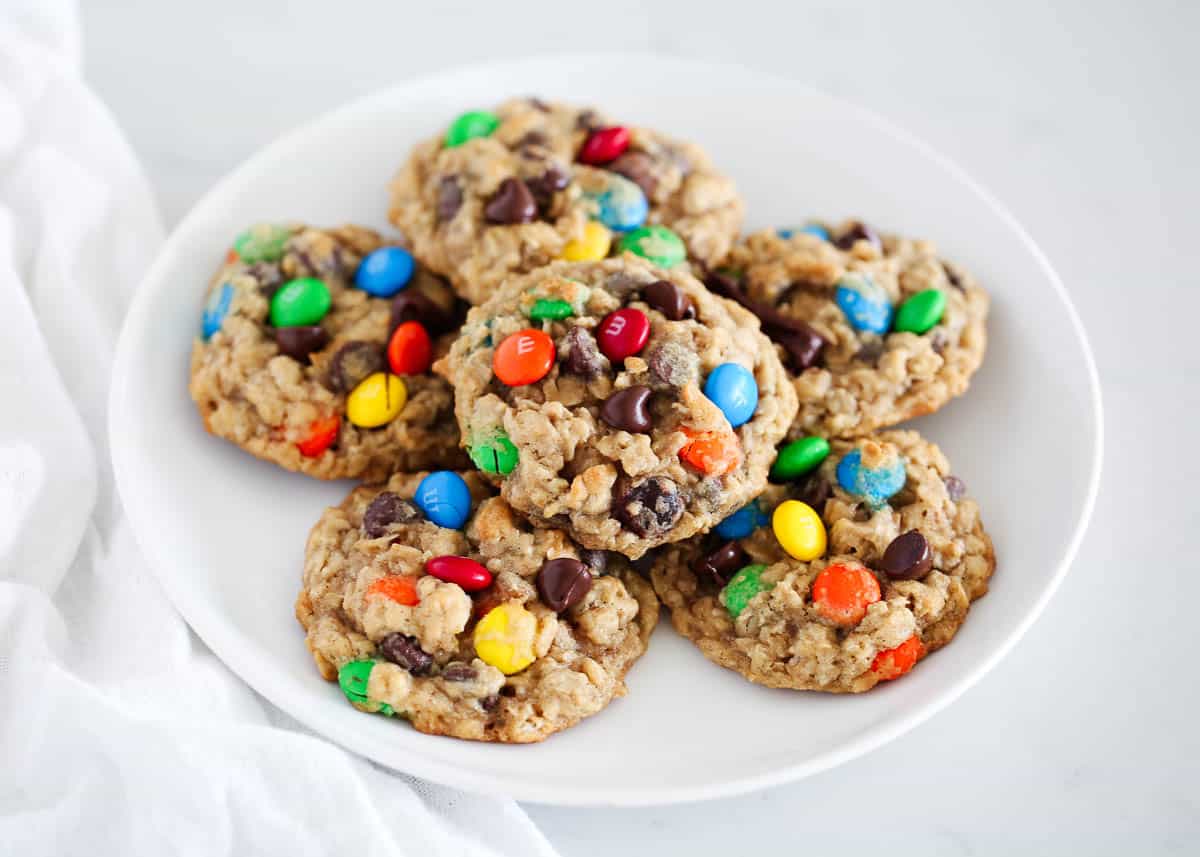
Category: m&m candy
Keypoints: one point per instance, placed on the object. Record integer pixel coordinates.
(353, 678)
(593, 246)
(655, 243)
(623, 333)
(385, 271)
(875, 483)
(842, 593)
(799, 458)
(621, 205)
(410, 350)
(504, 638)
(921, 313)
(445, 499)
(742, 587)
(742, 523)
(215, 309)
(299, 302)
(466, 573)
(732, 388)
(523, 357)
(376, 401)
(864, 303)
(604, 145)
(469, 125)
(799, 530)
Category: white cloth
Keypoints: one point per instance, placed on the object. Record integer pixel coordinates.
(119, 732)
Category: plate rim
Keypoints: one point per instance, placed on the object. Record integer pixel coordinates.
(230, 645)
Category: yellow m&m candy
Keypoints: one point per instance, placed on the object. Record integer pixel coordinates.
(594, 244)
(799, 530)
(376, 401)
(504, 638)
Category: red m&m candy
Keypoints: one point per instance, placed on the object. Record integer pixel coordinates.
(410, 350)
(604, 145)
(623, 333)
(523, 357)
(321, 435)
(467, 573)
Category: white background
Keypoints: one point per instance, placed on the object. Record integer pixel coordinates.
(1083, 119)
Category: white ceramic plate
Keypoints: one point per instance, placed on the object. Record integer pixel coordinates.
(226, 532)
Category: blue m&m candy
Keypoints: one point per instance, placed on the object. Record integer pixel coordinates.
(814, 229)
(742, 523)
(864, 302)
(875, 484)
(732, 388)
(444, 498)
(215, 309)
(385, 271)
(621, 206)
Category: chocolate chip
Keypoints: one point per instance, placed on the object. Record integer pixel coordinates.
(489, 702)
(563, 582)
(458, 671)
(721, 564)
(955, 487)
(628, 410)
(953, 277)
(386, 509)
(908, 557)
(269, 277)
(669, 299)
(644, 563)
(404, 651)
(299, 342)
(597, 561)
(449, 199)
(673, 365)
(638, 167)
(814, 492)
(538, 104)
(543, 188)
(870, 352)
(588, 120)
(650, 507)
(412, 304)
(531, 138)
(583, 355)
(801, 342)
(353, 362)
(858, 231)
(511, 203)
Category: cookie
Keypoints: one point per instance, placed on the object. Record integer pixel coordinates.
(315, 349)
(508, 191)
(619, 401)
(875, 329)
(430, 599)
(884, 576)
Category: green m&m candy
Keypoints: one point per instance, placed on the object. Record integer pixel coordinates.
(472, 124)
(656, 244)
(799, 458)
(300, 302)
(920, 313)
(494, 454)
(550, 308)
(353, 679)
(262, 243)
(742, 587)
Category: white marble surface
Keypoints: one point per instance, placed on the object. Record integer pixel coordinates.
(1082, 118)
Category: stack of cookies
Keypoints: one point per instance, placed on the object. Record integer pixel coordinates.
(572, 394)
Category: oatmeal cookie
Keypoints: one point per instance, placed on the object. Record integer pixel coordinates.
(428, 598)
(506, 192)
(875, 329)
(315, 351)
(838, 603)
(619, 401)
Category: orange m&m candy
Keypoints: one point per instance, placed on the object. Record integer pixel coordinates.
(842, 593)
(410, 350)
(893, 663)
(400, 589)
(321, 435)
(712, 452)
(523, 357)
